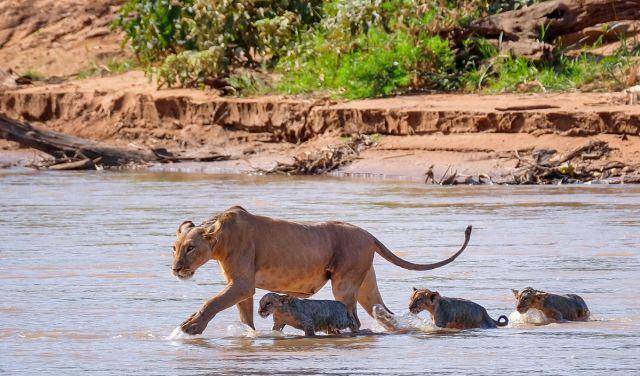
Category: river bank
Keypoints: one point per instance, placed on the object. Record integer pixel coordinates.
(467, 133)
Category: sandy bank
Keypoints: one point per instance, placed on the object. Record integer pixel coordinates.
(470, 133)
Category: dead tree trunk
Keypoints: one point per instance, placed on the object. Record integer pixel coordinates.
(60, 145)
(77, 153)
(531, 31)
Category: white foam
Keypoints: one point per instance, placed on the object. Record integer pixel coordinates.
(532, 316)
(177, 334)
(405, 321)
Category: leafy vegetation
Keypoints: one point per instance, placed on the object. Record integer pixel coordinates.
(111, 66)
(33, 75)
(509, 74)
(344, 48)
(155, 28)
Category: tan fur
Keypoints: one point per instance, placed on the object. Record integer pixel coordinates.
(285, 257)
(555, 307)
(423, 300)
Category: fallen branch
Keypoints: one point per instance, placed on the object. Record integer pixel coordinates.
(547, 166)
(324, 160)
(70, 152)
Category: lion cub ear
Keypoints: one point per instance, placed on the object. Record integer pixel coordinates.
(184, 226)
(415, 289)
(515, 293)
(542, 295)
(433, 296)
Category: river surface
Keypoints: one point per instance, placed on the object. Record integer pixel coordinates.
(86, 286)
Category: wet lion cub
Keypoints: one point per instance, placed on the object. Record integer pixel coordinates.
(309, 315)
(555, 307)
(453, 313)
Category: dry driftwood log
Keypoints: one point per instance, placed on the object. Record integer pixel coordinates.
(530, 31)
(73, 153)
(546, 166)
(324, 160)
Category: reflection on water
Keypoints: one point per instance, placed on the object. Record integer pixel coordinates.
(86, 281)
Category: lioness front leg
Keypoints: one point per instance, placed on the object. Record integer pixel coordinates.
(245, 308)
(232, 294)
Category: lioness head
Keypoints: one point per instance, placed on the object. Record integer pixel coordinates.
(270, 302)
(423, 299)
(193, 247)
(529, 298)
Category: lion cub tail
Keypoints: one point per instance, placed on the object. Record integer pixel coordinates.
(504, 322)
(392, 258)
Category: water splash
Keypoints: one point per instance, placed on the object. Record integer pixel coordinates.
(532, 316)
(235, 330)
(178, 334)
(402, 322)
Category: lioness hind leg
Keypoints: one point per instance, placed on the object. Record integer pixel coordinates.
(369, 295)
(346, 292)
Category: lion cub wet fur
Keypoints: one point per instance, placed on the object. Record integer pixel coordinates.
(311, 316)
(453, 313)
(569, 307)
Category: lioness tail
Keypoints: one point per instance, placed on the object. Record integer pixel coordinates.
(392, 258)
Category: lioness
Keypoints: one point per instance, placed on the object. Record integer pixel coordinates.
(285, 257)
(570, 307)
(311, 316)
(453, 313)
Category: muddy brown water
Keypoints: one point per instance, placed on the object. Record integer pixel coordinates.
(86, 284)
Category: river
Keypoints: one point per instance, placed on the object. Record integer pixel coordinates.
(86, 283)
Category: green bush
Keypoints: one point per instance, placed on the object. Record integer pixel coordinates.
(191, 68)
(197, 38)
(509, 74)
(250, 31)
(371, 48)
(345, 48)
(155, 28)
(381, 67)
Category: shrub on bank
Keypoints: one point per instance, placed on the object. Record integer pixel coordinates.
(346, 48)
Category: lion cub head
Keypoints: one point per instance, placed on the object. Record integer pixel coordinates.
(193, 247)
(529, 298)
(423, 299)
(271, 302)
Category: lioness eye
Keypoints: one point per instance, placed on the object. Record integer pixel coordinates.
(190, 248)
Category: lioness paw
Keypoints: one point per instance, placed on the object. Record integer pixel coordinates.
(193, 325)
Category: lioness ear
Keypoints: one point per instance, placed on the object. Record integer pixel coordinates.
(433, 296)
(185, 225)
(515, 292)
(211, 231)
(415, 289)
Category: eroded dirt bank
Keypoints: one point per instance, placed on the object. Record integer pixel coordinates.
(125, 107)
(468, 133)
